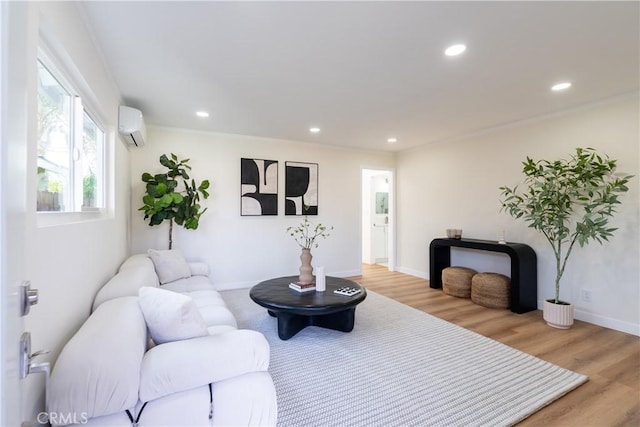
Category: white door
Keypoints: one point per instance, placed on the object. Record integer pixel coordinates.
(13, 178)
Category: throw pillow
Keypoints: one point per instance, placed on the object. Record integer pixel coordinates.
(170, 265)
(170, 316)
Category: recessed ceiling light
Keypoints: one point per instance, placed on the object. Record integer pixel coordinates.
(314, 130)
(561, 86)
(455, 50)
(392, 140)
(202, 114)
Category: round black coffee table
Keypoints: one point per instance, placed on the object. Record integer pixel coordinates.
(297, 310)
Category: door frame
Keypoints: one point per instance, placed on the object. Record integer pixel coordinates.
(365, 174)
(14, 27)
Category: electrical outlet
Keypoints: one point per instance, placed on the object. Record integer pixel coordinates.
(586, 295)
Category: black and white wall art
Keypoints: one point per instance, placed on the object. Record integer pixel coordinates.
(259, 187)
(301, 188)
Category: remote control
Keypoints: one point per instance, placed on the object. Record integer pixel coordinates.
(346, 290)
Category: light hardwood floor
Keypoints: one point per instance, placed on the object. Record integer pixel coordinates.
(610, 358)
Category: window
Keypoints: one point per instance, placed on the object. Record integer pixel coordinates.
(70, 149)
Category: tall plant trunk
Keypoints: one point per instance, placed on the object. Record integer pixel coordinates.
(558, 272)
(559, 269)
(170, 233)
(562, 263)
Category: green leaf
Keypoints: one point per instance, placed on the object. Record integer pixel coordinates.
(161, 189)
(152, 190)
(161, 177)
(156, 219)
(164, 161)
(166, 200)
(177, 198)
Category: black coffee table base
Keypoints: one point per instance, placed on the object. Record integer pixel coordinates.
(290, 324)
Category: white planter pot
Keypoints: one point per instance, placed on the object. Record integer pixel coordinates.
(558, 315)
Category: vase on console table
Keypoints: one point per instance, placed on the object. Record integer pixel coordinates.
(306, 270)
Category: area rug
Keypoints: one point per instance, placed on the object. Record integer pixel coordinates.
(400, 367)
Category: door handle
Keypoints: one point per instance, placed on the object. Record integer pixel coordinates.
(27, 366)
(28, 297)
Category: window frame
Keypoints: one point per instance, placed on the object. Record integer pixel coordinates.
(83, 101)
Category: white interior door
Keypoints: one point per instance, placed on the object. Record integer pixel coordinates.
(13, 178)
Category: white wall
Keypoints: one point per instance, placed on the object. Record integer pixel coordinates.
(69, 262)
(456, 185)
(245, 249)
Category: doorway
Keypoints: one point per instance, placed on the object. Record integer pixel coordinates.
(378, 217)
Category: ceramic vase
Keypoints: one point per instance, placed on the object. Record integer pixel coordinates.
(558, 315)
(306, 270)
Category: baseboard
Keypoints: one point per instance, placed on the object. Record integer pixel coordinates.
(607, 322)
(604, 321)
(412, 272)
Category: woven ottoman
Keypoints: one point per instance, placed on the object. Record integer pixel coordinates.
(456, 281)
(490, 290)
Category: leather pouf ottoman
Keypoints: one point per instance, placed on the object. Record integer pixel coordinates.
(490, 290)
(456, 281)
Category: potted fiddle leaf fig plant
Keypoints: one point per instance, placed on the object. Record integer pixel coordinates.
(164, 201)
(569, 201)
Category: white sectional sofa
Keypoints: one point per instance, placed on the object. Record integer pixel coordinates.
(112, 373)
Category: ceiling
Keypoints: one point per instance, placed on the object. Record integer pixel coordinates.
(363, 71)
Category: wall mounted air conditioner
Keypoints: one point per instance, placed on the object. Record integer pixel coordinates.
(131, 126)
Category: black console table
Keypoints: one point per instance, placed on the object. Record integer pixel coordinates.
(524, 267)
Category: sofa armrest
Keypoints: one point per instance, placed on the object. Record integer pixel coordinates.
(183, 365)
(199, 268)
(98, 371)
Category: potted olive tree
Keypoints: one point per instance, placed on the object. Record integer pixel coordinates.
(569, 201)
(164, 201)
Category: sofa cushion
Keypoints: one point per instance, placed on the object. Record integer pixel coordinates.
(218, 316)
(211, 305)
(170, 316)
(199, 268)
(178, 366)
(220, 329)
(98, 371)
(127, 282)
(213, 308)
(137, 261)
(193, 283)
(246, 400)
(170, 265)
